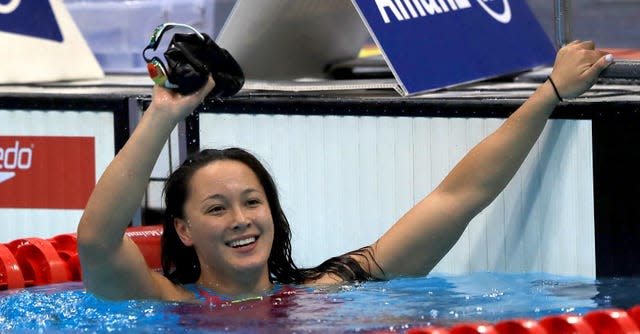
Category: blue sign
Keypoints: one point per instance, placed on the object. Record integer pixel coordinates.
(33, 18)
(431, 44)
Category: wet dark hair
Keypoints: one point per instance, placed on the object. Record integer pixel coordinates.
(180, 263)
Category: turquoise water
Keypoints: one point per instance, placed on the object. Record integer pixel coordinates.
(396, 305)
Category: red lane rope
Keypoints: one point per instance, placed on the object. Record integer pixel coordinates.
(610, 321)
(33, 261)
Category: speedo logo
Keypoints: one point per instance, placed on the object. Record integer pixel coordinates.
(46, 172)
(14, 158)
(412, 9)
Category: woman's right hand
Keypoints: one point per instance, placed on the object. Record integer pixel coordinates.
(176, 104)
(577, 67)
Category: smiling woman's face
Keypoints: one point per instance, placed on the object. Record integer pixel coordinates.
(228, 221)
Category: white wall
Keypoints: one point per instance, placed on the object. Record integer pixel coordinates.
(344, 180)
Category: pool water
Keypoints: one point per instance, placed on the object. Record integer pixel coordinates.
(396, 305)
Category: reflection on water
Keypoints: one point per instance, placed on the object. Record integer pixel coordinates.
(398, 304)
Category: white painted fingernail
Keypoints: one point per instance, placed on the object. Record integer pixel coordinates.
(608, 58)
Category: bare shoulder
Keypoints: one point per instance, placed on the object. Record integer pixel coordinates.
(171, 291)
(325, 279)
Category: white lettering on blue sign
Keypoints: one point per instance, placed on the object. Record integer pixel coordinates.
(505, 17)
(412, 9)
(9, 7)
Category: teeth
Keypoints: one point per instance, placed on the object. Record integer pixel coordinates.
(243, 242)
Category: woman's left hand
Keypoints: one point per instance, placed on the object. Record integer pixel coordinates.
(178, 105)
(577, 67)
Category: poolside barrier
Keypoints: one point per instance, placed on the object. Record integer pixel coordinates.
(34, 261)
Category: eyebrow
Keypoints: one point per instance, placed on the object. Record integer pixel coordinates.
(222, 197)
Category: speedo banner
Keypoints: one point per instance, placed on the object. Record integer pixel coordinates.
(431, 44)
(46, 172)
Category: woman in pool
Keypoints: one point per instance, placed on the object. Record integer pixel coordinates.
(226, 233)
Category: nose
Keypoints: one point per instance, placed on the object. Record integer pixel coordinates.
(240, 220)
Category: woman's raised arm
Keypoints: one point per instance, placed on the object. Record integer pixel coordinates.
(112, 265)
(419, 240)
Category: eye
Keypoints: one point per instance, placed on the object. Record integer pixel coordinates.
(253, 202)
(216, 210)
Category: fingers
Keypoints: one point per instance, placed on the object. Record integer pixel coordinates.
(578, 66)
(599, 65)
(587, 45)
(596, 60)
(208, 86)
(161, 92)
(587, 51)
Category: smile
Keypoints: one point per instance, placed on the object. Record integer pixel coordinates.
(242, 242)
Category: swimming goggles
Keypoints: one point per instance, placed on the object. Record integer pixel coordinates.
(157, 70)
